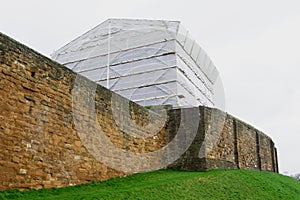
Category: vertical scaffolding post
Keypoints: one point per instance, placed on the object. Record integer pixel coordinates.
(108, 53)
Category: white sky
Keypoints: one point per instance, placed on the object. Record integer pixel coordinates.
(254, 44)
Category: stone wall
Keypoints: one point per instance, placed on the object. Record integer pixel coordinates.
(227, 142)
(48, 140)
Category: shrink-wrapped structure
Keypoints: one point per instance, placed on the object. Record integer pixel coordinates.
(151, 62)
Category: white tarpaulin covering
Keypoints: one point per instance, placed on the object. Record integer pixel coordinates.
(151, 62)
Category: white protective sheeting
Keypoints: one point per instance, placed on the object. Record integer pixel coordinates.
(152, 62)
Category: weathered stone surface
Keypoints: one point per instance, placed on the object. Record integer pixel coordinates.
(41, 145)
(223, 141)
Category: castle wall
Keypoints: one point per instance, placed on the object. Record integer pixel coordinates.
(227, 142)
(48, 140)
(39, 141)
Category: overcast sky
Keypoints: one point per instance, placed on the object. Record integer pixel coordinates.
(254, 44)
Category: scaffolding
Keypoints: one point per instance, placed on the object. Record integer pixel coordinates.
(151, 62)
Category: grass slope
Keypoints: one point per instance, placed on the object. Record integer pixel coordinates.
(169, 184)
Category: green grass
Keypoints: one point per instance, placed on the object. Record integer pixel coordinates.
(169, 184)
